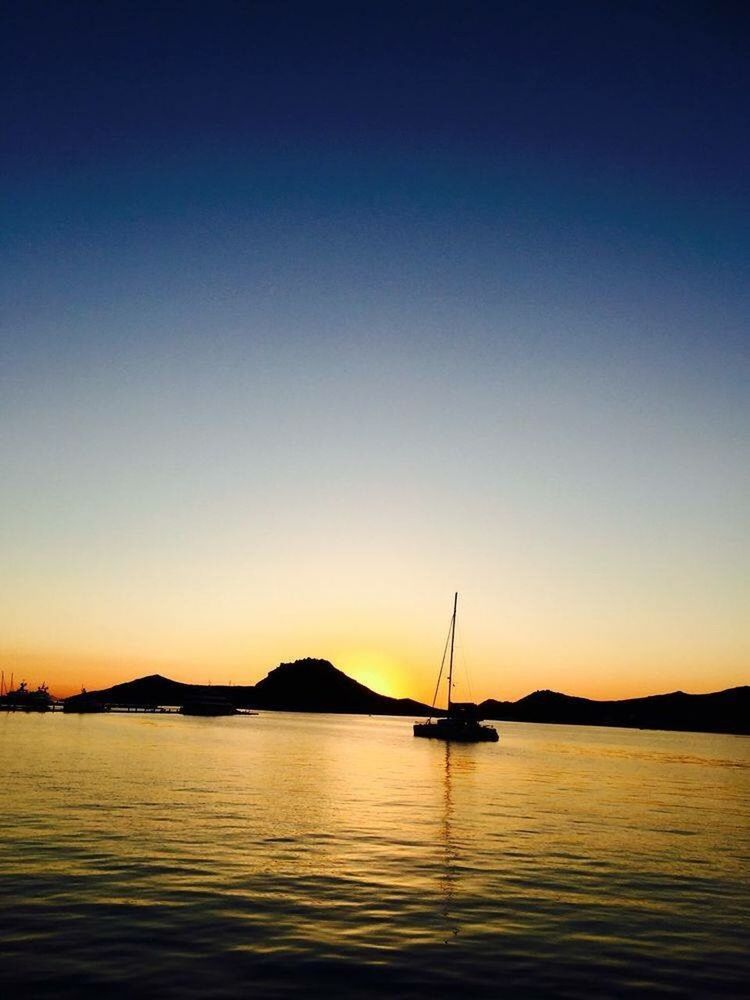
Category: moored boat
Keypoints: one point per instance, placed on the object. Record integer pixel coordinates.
(84, 704)
(208, 704)
(23, 700)
(462, 723)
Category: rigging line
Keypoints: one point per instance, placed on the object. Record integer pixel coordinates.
(442, 665)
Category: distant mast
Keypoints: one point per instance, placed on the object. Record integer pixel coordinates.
(453, 640)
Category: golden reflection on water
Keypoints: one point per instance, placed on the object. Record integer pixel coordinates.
(345, 842)
(449, 880)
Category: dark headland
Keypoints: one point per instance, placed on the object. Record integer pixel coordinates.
(307, 685)
(719, 712)
(312, 685)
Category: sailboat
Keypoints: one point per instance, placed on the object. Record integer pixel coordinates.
(462, 723)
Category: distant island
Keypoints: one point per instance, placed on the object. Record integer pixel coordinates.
(307, 685)
(313, 685)
(720, 712)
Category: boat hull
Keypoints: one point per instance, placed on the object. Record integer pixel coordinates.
(206, 712)
(208, 709)
(456, 734)
(83, 706)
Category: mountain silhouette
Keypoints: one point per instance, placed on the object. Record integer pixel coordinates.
(315, 685)
(308, 685)
(720, 712)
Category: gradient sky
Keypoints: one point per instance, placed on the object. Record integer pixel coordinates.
(314, 313)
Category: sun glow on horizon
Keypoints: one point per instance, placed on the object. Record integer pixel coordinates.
(376, 669)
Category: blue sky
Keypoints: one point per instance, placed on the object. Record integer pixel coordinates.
(314, 313)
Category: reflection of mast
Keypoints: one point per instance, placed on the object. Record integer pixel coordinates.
(448, 880)
(458, 762)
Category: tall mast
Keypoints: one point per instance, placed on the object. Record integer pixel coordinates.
(453, 640)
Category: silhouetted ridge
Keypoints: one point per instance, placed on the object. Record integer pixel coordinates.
(719, 712)
(309, 685)
(157, 690)
(315, 685)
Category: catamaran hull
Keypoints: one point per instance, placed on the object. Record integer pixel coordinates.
(432, 731)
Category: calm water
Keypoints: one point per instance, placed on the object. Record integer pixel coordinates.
(261, 856)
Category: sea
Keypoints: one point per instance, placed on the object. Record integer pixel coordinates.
(285, 855)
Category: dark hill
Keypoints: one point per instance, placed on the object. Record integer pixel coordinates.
(312, 685)
(151, 690)
(720, 712)
(303, 686)
(317, 686)
(158, 690)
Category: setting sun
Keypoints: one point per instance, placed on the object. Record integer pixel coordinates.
(374, 669)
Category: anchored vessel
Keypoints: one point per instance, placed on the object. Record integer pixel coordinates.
(208, 704)
(462, 723)
(23, 700)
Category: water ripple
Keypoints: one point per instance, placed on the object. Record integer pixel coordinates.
(339, 856)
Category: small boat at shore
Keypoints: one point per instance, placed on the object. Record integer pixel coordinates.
(84, 704)
(461, 724)
(208, 704)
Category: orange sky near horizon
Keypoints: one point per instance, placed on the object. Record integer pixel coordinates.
(296, 346)
(504, 663)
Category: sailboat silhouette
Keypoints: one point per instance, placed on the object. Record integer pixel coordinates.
(462, 723)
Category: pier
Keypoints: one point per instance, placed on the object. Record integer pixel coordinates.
(152, 709)
(58, 706)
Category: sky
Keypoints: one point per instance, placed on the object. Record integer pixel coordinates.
(316, 313)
